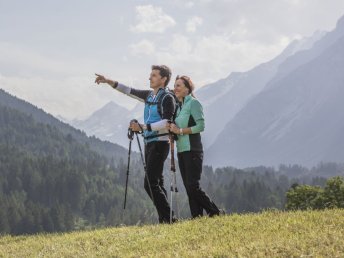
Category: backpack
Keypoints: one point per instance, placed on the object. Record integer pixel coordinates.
(160, 100)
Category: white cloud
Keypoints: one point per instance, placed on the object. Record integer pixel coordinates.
(58, 85)
(42, 62)
(293, 2)
(215, 56)
(266, 20)
(193, 23)
(23, 60)
(72, 97)
(189, 4)
(152, 19)
(180, 45)
(144, 47)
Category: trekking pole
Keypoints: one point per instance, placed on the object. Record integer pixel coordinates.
(131, 137)
(174, 188)
(144, 167)
(143, 161)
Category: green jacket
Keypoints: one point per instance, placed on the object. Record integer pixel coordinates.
(190, 114)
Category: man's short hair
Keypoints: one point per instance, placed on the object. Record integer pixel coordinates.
(164, 72)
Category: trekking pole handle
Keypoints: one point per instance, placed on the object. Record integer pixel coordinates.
(141, 128)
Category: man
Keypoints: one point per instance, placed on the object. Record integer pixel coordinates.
(159, 110)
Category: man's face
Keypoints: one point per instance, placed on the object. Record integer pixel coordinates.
(156, 81)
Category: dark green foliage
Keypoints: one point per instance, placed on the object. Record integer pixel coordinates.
(303, 197)
(334, 193)
(259, 188)
(49, 181)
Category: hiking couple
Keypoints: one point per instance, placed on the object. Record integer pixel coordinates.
(187, 119)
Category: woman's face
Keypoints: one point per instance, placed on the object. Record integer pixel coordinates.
(180, 89)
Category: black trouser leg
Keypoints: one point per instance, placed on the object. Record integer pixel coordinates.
(195, 209)
(156, 154)
(162, 186)
(190, 165)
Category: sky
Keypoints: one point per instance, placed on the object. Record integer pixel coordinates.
(50, 50)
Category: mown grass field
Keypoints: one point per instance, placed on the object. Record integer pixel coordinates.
(266, 234)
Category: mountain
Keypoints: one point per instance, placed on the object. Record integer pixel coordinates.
(110, 123)
(223, 99)
(105, 148)
(107, 123)
(307, 55)
(297, 118)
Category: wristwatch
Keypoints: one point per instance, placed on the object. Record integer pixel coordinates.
(180, 131)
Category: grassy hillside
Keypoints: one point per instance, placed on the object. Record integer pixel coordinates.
(272, 233)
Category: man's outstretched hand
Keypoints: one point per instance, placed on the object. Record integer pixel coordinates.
(100, 79)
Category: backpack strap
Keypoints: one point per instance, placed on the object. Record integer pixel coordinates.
(156, 99)
(160, 99)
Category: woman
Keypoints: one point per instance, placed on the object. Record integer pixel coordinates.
(189, 123)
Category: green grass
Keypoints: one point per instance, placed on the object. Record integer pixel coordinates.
(271, 233)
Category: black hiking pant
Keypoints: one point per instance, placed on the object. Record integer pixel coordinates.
(155, 155)
(190, 165)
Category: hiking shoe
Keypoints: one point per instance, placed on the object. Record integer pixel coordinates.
(167, 221)
(222, 212)
(174, 220)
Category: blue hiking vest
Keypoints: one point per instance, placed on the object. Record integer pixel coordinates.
(151, 115)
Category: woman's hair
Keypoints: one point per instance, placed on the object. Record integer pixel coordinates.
(188, 83)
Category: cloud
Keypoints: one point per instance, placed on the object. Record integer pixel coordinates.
(266, 20)
(189, 4)
(232, 36)
(71, 97)
(293, 2)
(213, 57)
(152, 19)
(193, 23)
(180, 45)
(144, 47)
(23, 60)
(62, 86)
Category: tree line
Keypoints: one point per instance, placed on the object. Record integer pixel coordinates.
(50, 182)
